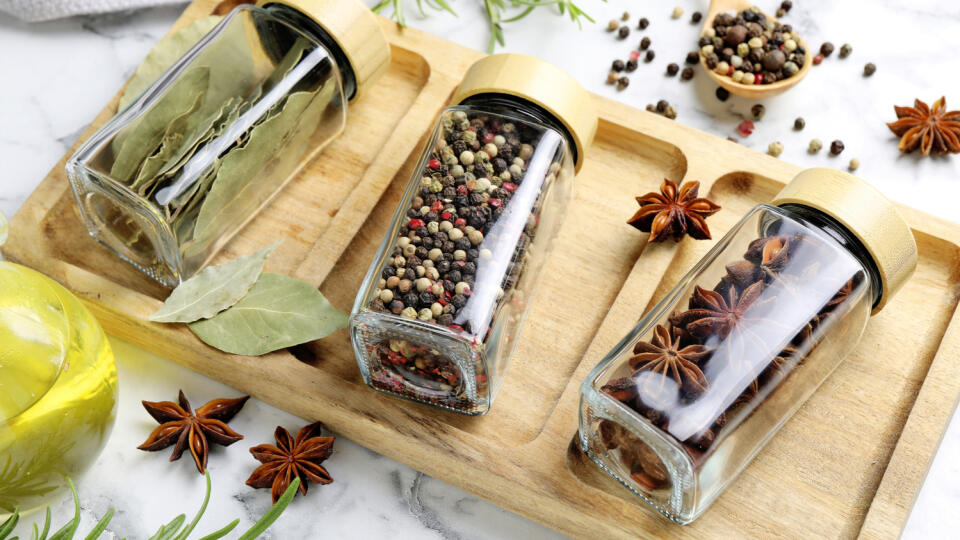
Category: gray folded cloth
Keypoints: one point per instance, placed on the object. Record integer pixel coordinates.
(46, 10)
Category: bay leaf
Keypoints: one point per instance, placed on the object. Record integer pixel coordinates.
(167, 51)
(140, 138)
(278, 312)
(170, 145)
(213, 290)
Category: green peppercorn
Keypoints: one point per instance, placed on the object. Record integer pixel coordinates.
(625, 17)
(845, 50)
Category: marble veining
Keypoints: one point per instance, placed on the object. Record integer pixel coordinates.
(59, 74)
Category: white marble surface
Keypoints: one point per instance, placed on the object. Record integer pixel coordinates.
(58, 75)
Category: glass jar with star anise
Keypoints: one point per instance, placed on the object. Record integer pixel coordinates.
(691, 395)
(438, 314)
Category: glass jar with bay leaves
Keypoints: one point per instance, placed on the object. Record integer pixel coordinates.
(193, 155)
(683, 403)
(437, 317)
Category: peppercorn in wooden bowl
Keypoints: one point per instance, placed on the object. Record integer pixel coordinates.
(778, 55)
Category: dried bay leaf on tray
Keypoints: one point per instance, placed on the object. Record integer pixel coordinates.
(278, 312)
(167, 51)
(213, 290)
(138, 140)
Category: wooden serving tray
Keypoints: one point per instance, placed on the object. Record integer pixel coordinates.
(849, 463)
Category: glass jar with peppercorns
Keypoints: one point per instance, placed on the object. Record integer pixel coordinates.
(440, 309)
(692, 394)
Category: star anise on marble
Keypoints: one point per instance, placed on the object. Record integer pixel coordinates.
(927, 128)
(664, 356)
(185, 428)
(290, 458)
(674, 212)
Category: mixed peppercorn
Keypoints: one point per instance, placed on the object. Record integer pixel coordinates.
(752, 49)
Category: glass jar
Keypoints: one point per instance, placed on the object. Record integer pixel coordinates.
(177, 172)
(688, 398)
(437, 316)
(58, 388)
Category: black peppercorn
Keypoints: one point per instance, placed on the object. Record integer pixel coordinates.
(845, 50)
(836, 147)
(672, 69)
(443, 266)
(470, 268)
(617, 65)
(623, 32)
(695, 17)
(458, 301)
(826, 49)
(692, 57)
(687, 73)
(410, 299)
(722, 93)
(454, 275)
(786, 5)
(445, 320)
(623, 82)
(712, 60)
(643, 23)
(396, 307)
(649, 56)
(662, 105)
(644, 43)
(869, 69)
(799, 123)
(427, 299)
(388, 272)
(631, 65)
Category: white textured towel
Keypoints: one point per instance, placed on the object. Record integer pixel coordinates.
(45, 10)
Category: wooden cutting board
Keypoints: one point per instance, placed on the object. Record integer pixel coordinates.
(849, 463)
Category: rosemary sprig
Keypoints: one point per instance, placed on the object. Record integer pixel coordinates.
(170, 531)
(494, 10)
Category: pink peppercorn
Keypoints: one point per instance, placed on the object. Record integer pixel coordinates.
(745, 128)
(434, 164)
(817, 59)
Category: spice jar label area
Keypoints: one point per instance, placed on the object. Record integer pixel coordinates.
(683, 404)
(438, 316)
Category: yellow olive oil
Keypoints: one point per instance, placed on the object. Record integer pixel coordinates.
(58, 388)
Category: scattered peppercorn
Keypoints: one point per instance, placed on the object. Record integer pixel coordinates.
(815, 146)
(677, 12)
(695, 18)
(854, 164)
(672, 69)
(775, 148)
(745, 128)
(781, 12)
(670, 113)
(612, 25)
(631, 65)
(623, 32)
(845, 50)
(662, 105)
(786, 5)
(643, 24)
(733, 140)
(625, 17)
(623, 82)
(826, 49)
(617, 65)
(644, 43)
(612, 77)
(869, 69)
(817, 59)
(663, 108)
(692, 57)
(649, 56)
(651, 108)
(836, 147)
(687, 73)
(722, 93)
(758, 111)
(799, 123)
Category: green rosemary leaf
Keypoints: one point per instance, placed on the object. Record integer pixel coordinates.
(165, 532)
(222, 532)
(7, 527)
(46, 526)
(274, 512)
(101, 526)
(203, 508)
(67, 531)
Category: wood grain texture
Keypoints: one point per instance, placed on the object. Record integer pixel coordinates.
(849, 462)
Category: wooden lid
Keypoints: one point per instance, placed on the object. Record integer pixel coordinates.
(867, 214)
(355, 29)
(538, 82)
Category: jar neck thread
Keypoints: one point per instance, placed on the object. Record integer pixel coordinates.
(518, 106)
(849, 241)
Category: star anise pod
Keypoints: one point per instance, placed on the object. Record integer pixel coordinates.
(184, 427)
(674, 212)
(927, 128)
(290, 458)
(664, 356)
